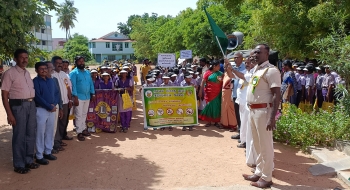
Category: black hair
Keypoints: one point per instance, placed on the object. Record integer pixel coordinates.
(54, 58)
(19, 51)
(222, 61)
(77, 58)
(199, 69)
(203, 60)
(176, 71)
(288, 63)
(266, 46)
(39, 64)
(214, 63)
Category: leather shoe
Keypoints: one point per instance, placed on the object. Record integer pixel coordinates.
(253, 178)
(42, 161)
(50, 157)
(261, 183)
(235, 136)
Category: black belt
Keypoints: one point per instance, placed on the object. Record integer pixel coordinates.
(18, 102)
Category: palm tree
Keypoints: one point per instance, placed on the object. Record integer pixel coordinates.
(66, 16)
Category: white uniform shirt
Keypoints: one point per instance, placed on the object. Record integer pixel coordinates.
(64, 83)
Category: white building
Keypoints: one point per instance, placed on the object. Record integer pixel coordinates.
(112, 46)
(44, 35)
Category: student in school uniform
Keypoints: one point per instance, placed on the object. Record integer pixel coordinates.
(187, 82)
(173, 79)
(166, 82)
(106, 83)
(125, 85)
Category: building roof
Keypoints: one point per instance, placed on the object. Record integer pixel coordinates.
(115, 40)
(106, 38)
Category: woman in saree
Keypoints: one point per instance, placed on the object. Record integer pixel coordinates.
(228, 115)
(212, 84)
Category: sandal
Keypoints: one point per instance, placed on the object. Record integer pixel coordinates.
(81, 137)
(170, 128)
(63, 144)
(86, 133)
(21, 170)
(207, 125)
(32, 166)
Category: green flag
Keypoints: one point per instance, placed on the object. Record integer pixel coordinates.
(220, 36)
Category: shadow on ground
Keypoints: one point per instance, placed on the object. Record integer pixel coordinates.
(292, 168)
(93, 164)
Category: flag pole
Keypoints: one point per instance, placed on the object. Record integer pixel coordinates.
(222, 51)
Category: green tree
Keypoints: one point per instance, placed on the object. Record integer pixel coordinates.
(67, 14)
(77, 45)
(126, 28)
(142, 29)
(18, 18)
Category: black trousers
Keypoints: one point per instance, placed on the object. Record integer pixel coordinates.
(61, 126)
(237, 114)
(24, 133)
(67, 119)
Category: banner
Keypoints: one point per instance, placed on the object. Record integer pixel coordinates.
(186, 54)
(103, 112)
(170, 106)
(166, 59)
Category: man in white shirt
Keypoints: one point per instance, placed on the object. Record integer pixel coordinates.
(65, 88)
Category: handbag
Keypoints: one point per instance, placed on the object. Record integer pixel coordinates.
(126, 100)
(136, 79)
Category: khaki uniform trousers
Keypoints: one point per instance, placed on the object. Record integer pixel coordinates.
(263, 142)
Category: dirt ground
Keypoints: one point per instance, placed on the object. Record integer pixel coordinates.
(150, 159)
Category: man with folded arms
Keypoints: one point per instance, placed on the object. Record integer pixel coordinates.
(18, 93)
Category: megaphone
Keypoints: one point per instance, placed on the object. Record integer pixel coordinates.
(234, 39)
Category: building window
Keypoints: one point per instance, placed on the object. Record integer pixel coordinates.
(93, 44)
(111, 57)
(108, 45)
(117, 46)
(115, 35)
(44, 42)
(126, 45)
(124, 57)
(43, 30)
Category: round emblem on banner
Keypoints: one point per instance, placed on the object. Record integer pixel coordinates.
(189, 92)
(169, 111)
(160, 112)
(180, 111)
(90, 124)
(189, 111)
(151, 113)
(148, 93)
(113, 117)
(102, 109)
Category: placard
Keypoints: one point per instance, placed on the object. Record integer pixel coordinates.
(170, 106)
(186, 54)
(166, 59)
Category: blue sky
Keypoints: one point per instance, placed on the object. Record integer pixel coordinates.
(99, 17)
